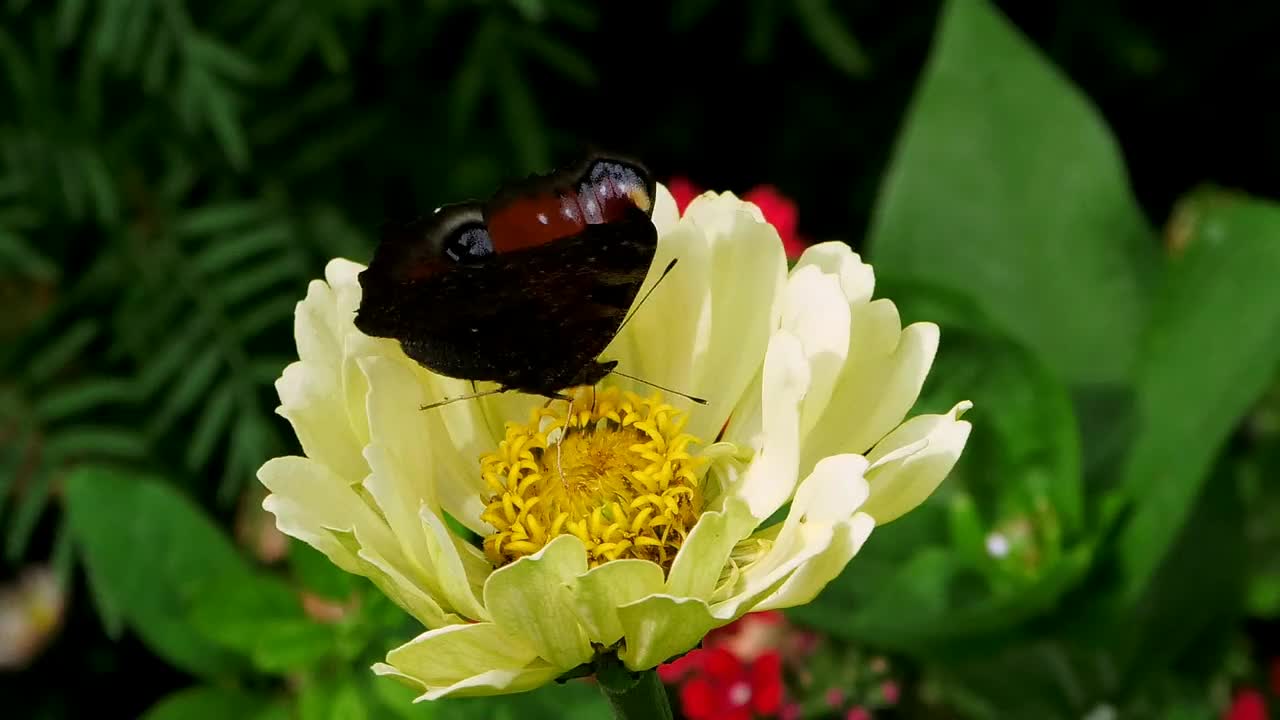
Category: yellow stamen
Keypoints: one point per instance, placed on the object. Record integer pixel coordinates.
(623, 479)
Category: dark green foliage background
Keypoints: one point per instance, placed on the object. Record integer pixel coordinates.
(1079, 193)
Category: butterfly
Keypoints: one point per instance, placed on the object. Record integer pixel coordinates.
(525, 289)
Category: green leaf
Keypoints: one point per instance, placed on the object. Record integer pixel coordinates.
(1025, 434)
(260, 617)
(684, 15)
(473, 75)
(560, 57)
(17, 252)
(318, 574)
(31, 505)
(520, 114)
(225, 218)
(348, 704)
(148, 551)
(1191, 609)
(225, 253)
(1211, 352)
(207, 703)
(346, 699)
(55, 356)
(215, 415)
(77, 397)
(828, 34)
(1006, 185)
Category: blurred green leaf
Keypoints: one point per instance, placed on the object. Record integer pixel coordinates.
(1212, 350)
(827, 32)
(148, 551)
(1006, 185)
(341, 700)
(208, 703)
(1189, 609)
(17, 252)
(76, 397)
(318, 574)
(31, 504)
(261, 617)
(684, 15)
(1025, 435)
(931, 581)
(573, 700)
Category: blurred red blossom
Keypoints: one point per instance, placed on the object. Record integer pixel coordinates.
(890, 691)
(747, 638)
(858, 713)
(778, 209)
(1248, 704)
(724, 687)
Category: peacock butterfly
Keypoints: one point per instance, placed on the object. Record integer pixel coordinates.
(525, 289)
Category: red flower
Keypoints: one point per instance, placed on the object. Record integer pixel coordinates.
(675, 671)
(725, 688)
(683, 192)
(747, 637)
(1247, 705)
(778, 209)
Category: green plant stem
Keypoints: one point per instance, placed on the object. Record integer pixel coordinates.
(636, 697)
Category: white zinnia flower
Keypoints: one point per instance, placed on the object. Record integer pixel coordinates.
(640, 531)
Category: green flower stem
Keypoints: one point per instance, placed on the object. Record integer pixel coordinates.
(634, 696)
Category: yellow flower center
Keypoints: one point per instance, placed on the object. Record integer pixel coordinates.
(617, 473)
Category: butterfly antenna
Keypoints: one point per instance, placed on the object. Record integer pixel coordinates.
(666, 271)
(472, 396)
(687, 396)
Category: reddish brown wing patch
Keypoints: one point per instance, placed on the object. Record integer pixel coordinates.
(533, 221)
(603, 192)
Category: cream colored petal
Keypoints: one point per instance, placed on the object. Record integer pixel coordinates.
(745, 253)
(438, 463)
(815, 310)
(343, 276)
(317, 328)
(669, 317)
(319, 508)
(462, 568)
(673, 242)
(883, 373)
(462, 660)
(407, 592)
(696, 569)
(771, 477)
(431, 558)
(857, 279)
(759, 582)
(665, 213)
(312, 404)
(660, 627)
(827, 498)
(599, 592)
(900, 482)
(399, 426)
(460, 433)
(810, 578)
(530, 598)
(321, 500)
(293, 520)
(493, 682)
(722, 246)
(399, 507)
